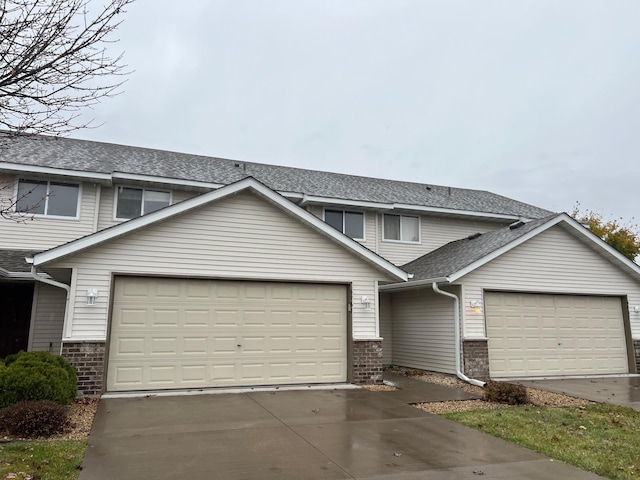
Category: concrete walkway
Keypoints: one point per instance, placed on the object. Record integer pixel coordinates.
(624, 391)
(310, 435)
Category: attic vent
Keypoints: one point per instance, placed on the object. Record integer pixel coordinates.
(474, 236)
(518, 224)
(427, 187)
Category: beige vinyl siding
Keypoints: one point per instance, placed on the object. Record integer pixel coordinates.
(240, 237)
(106, 212)
(434, 233)
(316, 210)
(42, 232)
(386, 328)
(423, 330)
(551, 262)
(47, 318)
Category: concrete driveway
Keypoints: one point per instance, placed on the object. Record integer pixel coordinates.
(319, 434)
(624, 391)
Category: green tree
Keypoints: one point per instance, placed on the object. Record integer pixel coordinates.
(623, 236)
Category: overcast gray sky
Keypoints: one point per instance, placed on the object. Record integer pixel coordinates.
(535, 100)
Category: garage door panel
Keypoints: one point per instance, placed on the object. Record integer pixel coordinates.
(255, 334)
(544, 335)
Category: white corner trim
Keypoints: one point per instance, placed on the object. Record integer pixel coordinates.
(181, 207)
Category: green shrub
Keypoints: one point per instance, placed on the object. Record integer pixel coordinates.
(505, 393)
(37, 376)
(34, 418)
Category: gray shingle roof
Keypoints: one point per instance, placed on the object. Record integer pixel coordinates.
(106, 158)
(13, 260)
(455, 256)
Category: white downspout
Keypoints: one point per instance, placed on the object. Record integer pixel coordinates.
(456, 316)
(64, 286)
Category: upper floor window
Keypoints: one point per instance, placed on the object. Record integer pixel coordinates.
(134, 202)
(401, 228)
(42, 197)
(349, 223)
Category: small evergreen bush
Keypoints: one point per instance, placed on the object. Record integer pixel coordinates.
(36, 376)
(503, 392)
(34, 418)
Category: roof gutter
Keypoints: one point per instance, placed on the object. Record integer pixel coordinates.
(413, 284)
(456, 316)
(64, 286)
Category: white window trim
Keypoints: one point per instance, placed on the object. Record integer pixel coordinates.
(116, 193)
(44, 216)
(418, 242)
(364, 221)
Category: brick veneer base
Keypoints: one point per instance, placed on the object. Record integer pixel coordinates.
(475, 355)
(367, 362)
(636, 347)
(88, 360)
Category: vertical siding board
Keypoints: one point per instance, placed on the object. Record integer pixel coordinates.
(48, 318)
(386, 328)
(552, 262)
(423, 334)
(240, 237)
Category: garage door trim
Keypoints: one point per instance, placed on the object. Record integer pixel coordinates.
(611, 336)
(345, 325)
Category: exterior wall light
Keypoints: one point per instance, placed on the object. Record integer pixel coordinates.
(476, 305)
(366, 301)
(92, 294)
(636, 309)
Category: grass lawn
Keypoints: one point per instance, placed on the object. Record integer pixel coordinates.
(42, 460)
(603, 439)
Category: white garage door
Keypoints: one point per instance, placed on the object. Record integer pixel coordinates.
(183, 333)
(546, 335)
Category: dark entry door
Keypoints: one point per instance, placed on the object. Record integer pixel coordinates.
(15, 317)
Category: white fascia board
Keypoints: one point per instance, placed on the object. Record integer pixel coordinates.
(466, 213)
(19, 168)
(8, 274)
(351, 203)
(179, 208)
(295, 195)
(414, 284)
(164, 180)
(399, 206)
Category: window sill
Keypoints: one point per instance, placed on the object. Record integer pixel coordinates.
(402, 242)
(41, 216)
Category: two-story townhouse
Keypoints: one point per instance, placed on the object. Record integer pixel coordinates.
(158, 270)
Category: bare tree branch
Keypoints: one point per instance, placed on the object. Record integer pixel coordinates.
(54, 62)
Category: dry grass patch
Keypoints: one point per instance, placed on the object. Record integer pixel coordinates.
(379, 388)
